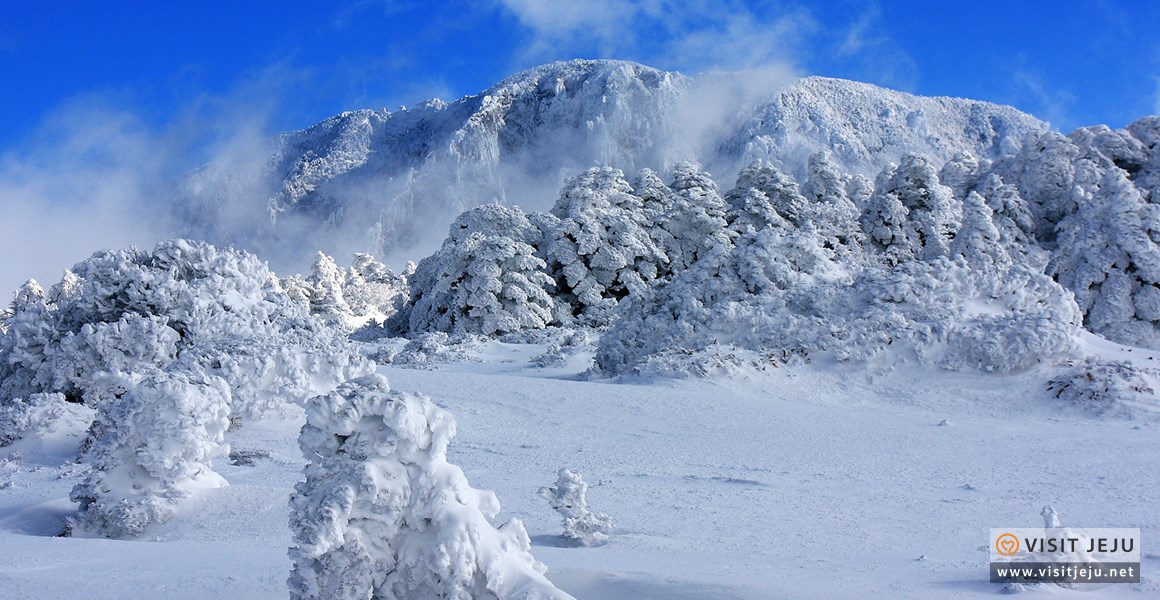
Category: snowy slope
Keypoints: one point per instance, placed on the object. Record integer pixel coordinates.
(383, 180)
(816, 482)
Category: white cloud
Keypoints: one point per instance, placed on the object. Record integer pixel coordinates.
(1047, 102)
(688, 36)
(95, 175)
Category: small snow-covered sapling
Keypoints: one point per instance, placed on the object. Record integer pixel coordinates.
(568, 496)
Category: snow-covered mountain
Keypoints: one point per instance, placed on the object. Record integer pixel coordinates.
(375, 180)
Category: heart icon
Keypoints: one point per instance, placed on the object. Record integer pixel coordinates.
(1007, 544)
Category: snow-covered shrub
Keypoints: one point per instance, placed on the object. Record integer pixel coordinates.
(427, 349)
(150, 449)
(183, 306)
(485, 279)
(561, 344)
(569, 497)
(382, 514)
(22, 415)
(780, 291)
(599, 248)
(1103, 387)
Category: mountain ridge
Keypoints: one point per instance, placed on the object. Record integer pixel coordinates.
(390, 182)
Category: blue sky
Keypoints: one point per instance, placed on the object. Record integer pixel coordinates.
(168, 65)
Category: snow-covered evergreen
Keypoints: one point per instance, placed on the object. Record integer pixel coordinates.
(600, 247)
(382, 514)
(365, 291)
(485, 279)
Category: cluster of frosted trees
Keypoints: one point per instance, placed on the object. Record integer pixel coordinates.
(968, 263)
(365, 291)
(168, 347)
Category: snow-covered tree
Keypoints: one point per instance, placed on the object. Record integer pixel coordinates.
(695, 222)
(600, 249)
(763, 197)
(28, 294)
(150, 448)
(183, 305)
(326, 289)
(371, 290)
(833, 214)
(1010, 213)
(1044, 173)
(167, 346)
(486, 278)
(1106, 254)
(912, 190)
(569, 497)
(382, 514)
(961, 174)
(978, 240)
(885, 223)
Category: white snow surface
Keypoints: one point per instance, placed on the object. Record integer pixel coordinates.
(820, 480)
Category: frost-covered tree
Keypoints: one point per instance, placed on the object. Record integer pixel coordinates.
(763, 197)
(167, 346)
(382, 514)
(780, 294)
(1106, 254)
(833, 214)
(569, 497)
(961, 174)
(912, 190)
(695, 223)
(371, 290)
(30, 293)
(885, 223)
(1044, 173)
(978, 240)
(150, 448)
(486, 278)
(326, 289)
(600, 249)
(1010, 213)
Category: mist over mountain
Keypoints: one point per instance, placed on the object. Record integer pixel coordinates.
(390, 182)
